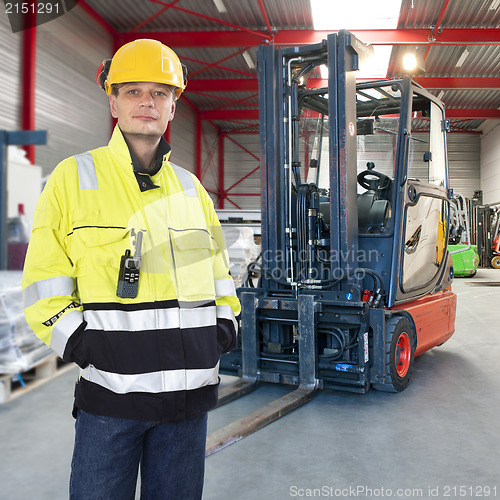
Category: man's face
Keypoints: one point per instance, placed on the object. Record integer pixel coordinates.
(143, 108)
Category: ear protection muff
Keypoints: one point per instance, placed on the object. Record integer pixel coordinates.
(102, 73)
(184, 73)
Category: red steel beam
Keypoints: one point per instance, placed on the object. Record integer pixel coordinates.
(237, 38)
(242, 101)
(212, 65)
(223, 85)
(28, 86)
(431, 83)
(266, 18)
(229, 102)
(244, 149)
(94, 15)
(432, 36)
(230, 114)
(459, 83)
(241, 180)
(154, 16)
(473, 113)
(215, 65)
(245, 194)
(231, 201)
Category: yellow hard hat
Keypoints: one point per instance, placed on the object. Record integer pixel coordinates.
(143, 60)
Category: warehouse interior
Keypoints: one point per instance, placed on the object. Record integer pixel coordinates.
(436, 439)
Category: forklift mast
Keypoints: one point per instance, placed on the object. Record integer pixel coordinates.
(354, 276)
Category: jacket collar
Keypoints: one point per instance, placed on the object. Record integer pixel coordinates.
(124, 155)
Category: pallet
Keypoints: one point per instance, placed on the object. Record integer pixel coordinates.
(44, 371)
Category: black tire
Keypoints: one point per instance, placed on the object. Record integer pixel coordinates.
(495, 262)
(400, 350)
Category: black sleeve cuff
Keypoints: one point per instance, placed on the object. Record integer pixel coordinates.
(75, 351)
(226, 335)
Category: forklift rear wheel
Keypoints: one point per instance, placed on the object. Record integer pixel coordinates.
(400, 350)
(495, 262)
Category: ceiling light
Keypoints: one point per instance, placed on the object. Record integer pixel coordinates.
(409, 62)
(440, 95)
(248, 59)
(220, 6)
(338, 14)
(463, 57)
(494, 5)
(413, 62)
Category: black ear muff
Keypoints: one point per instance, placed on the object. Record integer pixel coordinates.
(184, 73)
(102, 73)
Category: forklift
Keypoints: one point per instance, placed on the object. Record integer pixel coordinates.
(463, 252)
(353, 281)
(488, 230)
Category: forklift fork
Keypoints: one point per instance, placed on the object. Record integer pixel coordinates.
(251, 423)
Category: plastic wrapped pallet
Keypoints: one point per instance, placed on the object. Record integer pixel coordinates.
(20, 349)
(242, 250)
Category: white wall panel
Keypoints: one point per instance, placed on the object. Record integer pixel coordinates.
(10, 76)
(490, 165)
(69, 104)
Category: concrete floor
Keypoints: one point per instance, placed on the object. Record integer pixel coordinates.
(439, 435)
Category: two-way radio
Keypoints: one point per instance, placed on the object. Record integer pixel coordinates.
(128, 277)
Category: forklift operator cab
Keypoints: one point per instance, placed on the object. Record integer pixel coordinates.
(419, 166)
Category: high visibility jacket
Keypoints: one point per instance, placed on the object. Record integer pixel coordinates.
(155, 356)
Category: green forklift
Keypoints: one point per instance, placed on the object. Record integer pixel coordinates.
(464, 253)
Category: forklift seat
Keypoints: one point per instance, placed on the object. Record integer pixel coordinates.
(373, 214)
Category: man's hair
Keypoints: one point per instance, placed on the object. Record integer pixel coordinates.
(116, 87)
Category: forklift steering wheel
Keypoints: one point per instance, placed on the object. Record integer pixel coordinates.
(379, 182)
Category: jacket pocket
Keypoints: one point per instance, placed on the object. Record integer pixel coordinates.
(97, 251)
(192, 261)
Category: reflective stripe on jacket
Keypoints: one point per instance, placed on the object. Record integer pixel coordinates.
(152, 357)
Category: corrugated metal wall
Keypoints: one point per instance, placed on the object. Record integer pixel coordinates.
(10, 76)
(183, 142)
(69, 104)
(239, 163)
(182, 136)
(464, 163)
(490, 163)
(210, 160)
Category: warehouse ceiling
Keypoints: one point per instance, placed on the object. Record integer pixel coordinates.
(218, 40)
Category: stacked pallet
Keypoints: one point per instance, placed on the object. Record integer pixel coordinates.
(22, 354)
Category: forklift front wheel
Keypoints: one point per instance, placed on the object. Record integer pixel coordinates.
(400, 350)
(495, 262)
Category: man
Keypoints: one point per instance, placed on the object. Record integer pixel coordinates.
(127, 275)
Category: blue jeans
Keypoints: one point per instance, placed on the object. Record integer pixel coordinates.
(108, 452)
